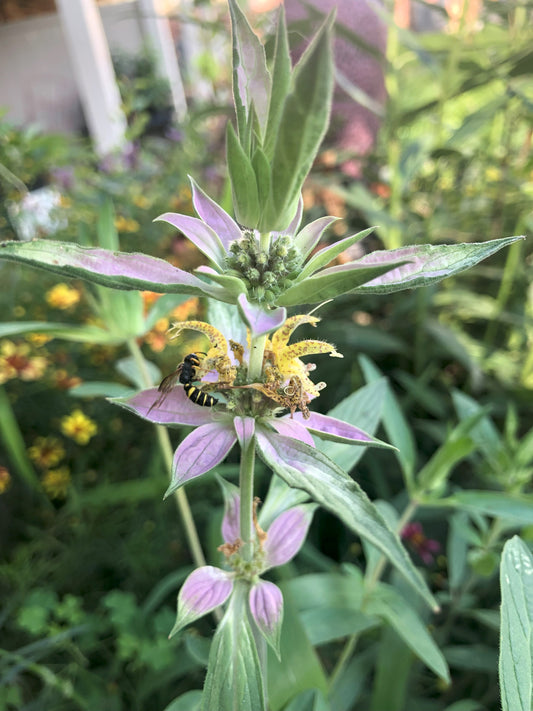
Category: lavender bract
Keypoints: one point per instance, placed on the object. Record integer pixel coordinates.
(209, 587)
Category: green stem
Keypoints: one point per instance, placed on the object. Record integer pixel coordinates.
(165, 446)
(264, 241)
(370, 584)
(255, 365)
(246, 484)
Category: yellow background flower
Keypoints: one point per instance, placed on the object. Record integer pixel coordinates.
(78, 427)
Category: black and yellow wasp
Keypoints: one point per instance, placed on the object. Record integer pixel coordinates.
(185, 373)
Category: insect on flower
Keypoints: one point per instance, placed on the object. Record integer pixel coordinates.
(185, 373)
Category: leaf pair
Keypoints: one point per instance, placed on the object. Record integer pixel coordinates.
(281, 120)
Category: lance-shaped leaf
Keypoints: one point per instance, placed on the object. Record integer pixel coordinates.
(394, 608)
(259, 320)
(422, 264)
(266, 606)
(232, 285)
(306, 468)
(328, 283)
(302, 127)
(243, 181)
(281, 81)
(119, 270)
(68, 332)
(205, 589)
(328, 254)
(516, 654)
(251, 78)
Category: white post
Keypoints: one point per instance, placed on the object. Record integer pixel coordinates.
(91, 60)
(157, 30)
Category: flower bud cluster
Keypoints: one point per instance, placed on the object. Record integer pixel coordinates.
(266, 274)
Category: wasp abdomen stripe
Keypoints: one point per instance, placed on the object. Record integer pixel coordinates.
(198, 396)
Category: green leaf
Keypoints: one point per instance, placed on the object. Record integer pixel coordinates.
(189, 701)
(362, 409)
(458, 445)
(101, 388)
(14, 444)
(484, 433)
(324, 286)
(243, 182)
(429, 263)
(81, 334)
(261, 168)
(136, 373)
(330, 605)
(281, 81)
(516, 654)
(390, 605)
(328, 254)
(233, 285)
(234, 681)
(121, 311)
(398, 431)
(251, 79)
(514, 508)
(162, 307)
(105, 227)
(304, 467)
(390, 690)
(303, 123)
(300, 668)
(118, 270)
(309, 700)
(122, 493)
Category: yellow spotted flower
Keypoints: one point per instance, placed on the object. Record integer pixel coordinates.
(16, 362)
(5, 479)
(78, 427)
(126, 224)
(56, 482)
(46, 452)
(62, 296)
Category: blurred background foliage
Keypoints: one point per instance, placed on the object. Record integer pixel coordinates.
(91, 557)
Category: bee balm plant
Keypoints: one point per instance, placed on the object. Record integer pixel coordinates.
(253, 387)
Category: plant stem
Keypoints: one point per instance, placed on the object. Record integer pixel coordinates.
(255, 365)
(191, 534)
(246, 484)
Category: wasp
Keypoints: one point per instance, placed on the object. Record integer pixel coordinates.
(185, 373)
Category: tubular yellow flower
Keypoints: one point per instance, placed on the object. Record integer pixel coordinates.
(62, 296)
(78, 427)
(217, 356)
(287, 376)
(56, 482)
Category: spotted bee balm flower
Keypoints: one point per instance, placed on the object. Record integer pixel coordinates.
(256, 407)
